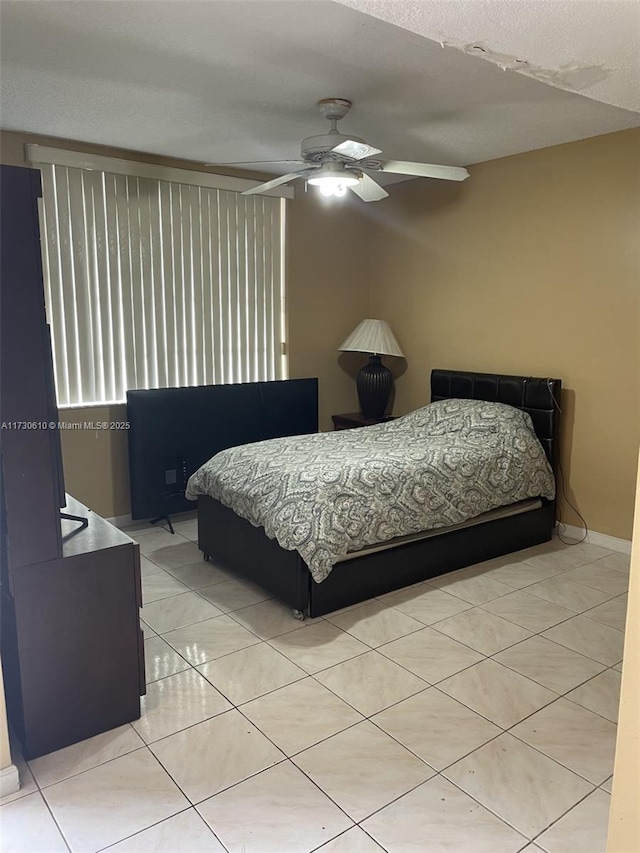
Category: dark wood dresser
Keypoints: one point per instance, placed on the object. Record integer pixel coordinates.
(72, 648)
(72, 651)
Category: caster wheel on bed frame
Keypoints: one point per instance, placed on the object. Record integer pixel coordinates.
(298, 614)
(206, 558)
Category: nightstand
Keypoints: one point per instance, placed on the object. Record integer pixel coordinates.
(355, 419)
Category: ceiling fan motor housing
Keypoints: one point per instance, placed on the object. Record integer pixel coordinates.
(314, 149)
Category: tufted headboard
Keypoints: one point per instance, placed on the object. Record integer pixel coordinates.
(532, 394)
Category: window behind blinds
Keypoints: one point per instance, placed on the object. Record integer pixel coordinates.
(152, 283)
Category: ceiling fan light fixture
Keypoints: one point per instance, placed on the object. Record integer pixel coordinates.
(334, 186)
(328, 188)
(333, 181)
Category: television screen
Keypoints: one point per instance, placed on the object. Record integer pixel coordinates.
(173, 431)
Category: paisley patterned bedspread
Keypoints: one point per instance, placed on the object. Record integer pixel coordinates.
(329, 493)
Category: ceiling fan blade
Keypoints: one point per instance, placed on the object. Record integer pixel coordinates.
(425, 170)
(355, 150)
(276, 182)
(253, 162)
(369, 190)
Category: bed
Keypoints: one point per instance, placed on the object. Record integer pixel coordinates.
(381, 567)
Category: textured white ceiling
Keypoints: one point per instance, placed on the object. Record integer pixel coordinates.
(586, 46)
(235, 81)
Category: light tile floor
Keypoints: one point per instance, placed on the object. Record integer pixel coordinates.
(475, 713)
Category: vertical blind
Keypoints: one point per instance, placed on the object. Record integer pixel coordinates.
(155, 284)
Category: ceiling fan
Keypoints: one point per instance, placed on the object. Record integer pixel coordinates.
(336, 162)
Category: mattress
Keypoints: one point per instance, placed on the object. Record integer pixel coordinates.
(493, 514)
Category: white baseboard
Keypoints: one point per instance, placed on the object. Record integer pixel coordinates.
(9, 780)
(602, 540)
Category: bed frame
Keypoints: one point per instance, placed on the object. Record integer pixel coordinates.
(235, 543)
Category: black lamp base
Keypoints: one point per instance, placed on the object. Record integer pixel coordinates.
(374, 383)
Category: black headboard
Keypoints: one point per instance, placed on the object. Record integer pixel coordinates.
(540, 398)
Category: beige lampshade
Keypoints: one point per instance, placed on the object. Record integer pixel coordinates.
(372, 336)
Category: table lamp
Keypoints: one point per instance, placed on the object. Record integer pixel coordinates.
(374, 381)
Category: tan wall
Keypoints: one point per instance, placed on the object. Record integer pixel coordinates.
(96, 462)
(531, 267)
(624, 819)
(328, 294)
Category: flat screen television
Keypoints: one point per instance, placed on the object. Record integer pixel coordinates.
(173, 431)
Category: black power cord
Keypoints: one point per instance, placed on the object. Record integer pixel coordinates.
(562, 487)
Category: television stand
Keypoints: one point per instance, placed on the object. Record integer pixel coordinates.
(163, 518)
(84, 522)
(76, 670)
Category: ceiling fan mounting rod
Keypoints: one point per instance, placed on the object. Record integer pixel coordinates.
(334, 108)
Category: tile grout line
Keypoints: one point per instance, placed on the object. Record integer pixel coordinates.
(427, 686)
(191, 805)
(356, 825)
(144, 829)
(104, 763)
(40, 793)
(173, 649)
(551, 758)
(289, 758)
(505, 821)
(581, 800)
(305, 748)
(531, 678)
(546, 705)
